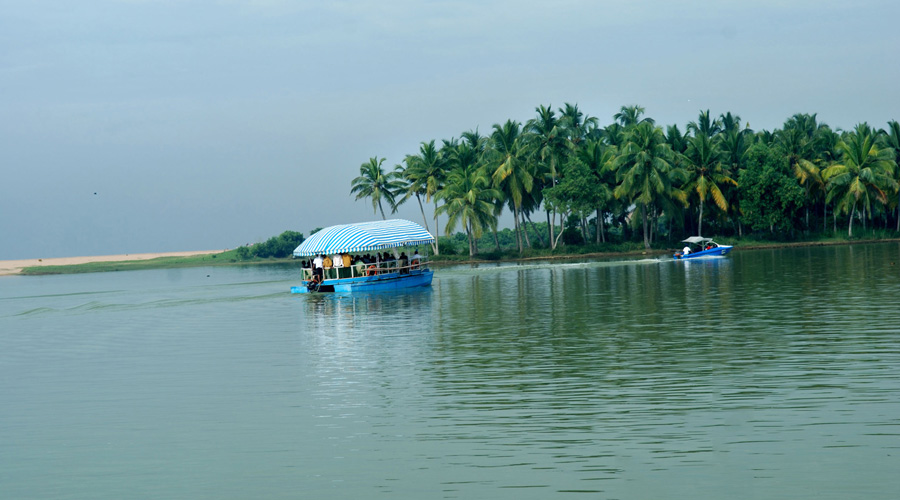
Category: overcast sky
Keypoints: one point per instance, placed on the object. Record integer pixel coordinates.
(131, 126)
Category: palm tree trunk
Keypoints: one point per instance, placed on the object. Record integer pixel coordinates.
(551, 222)
(602, 228)
(518, 227)
(539, 235)
(437, 248)
(382, 210)
(599, 234)
(425, 220)
(496, 239)
(700, 220)
(644, 221)
(850, 225)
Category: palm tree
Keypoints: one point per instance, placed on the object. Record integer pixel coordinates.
(629, 116)
(644, 169)
(599, 157)
(374, 183)
(676, 140)
(510, 171)
(864, 174)
(706, 174)
(425, 174)
(613, 134)
(892, 140)
(799, 140)
(705, 125)
(468, 196)
(577, 126)
(547, 145)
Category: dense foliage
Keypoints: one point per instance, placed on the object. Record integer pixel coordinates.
(635, 181)
(279, 246)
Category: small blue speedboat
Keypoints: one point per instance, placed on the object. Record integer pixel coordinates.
(359, 276)
(698, 246)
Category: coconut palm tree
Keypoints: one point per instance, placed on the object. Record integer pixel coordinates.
(705, 125)
(598, 157)
(577, 126)
(676, 140)
(510, 172)
(865, 174)
(425, 173)
(374, 183)
(892, 140)
(707, 177)
(644, 170)
(468, 197)
(546, 143)
(629, 116)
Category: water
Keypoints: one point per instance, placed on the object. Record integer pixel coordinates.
(766, 374)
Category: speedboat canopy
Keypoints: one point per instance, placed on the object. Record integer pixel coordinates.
(696, 240)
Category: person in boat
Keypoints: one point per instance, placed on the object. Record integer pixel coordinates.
(388, 260)
(346, 261)
(318, 263)
(404, 262)
(416, 258)
(686, 250)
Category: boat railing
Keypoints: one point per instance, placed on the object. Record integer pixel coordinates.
(361, 269)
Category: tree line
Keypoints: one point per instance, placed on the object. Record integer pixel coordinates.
(635, 178)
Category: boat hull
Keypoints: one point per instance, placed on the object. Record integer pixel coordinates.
(382, 282)
(712, 252)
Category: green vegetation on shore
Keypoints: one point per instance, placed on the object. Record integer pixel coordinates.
(636, 181)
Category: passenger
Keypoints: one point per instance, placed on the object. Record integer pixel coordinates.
(327, 263)
(404, 262)
(342, 263)
(318, 263)
(416, 258)
(686, 250)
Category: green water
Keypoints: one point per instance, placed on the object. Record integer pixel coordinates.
(766, 374)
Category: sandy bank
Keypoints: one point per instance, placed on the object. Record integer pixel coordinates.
(8, 267)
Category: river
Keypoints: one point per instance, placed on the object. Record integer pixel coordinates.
(764, 374)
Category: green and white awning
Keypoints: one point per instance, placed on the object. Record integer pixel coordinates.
(364, 237)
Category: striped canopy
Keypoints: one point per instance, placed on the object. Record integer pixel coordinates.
(363, 237)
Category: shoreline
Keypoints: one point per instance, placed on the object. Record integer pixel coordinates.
(15, 267)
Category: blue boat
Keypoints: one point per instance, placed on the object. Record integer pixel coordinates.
(377, 275)
(699, 246)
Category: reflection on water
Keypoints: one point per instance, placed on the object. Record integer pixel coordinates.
(766, 374)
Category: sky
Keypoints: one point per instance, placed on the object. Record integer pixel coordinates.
(132, 126)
